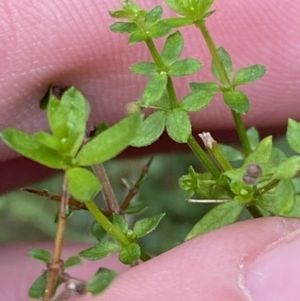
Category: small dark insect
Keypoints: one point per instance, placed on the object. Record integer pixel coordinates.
(57, 91)
(96, 130)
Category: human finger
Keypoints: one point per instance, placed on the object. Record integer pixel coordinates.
(253, 260)
(69, 43)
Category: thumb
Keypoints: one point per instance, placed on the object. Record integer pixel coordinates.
(253, 260)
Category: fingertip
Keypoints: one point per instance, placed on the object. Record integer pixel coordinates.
(274, 273)
(205, 268)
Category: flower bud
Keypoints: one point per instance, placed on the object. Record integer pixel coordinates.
(132, 107)
(253, 172)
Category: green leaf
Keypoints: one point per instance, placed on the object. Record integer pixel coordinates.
(100, 281)
(83, 184)
(293, 135)
(111, 142)
(135, 208)
(120, 223)
(146, 225)
(253, 137)
(191, 8)
(144, 68)
(204, 6)
(137, 37)
(184, 67)
(221, 215)
(210, 87)
(119, 14)
(48, 140)
(231, 153)
(209, 13)
(178, 125)
(123, 27)
(153, 16)
(130, 7)
(37, 289)
(72, 261)
(248, 75)
(237, 101)
(155, 88)
(159, 30)
(195, 101)
(266, 202)
(150, 130)
(226, 60)
(99, 251)
(130, 253)
(178, 22)
(98, 232)
(262, 153)
(67, 119)
(31, 148)
(172, 48)
(277, 156)
(175, 6)
(288, 168)
(40, 254)
(295, 212)
(162, 103)
(284, 197)
(236, 174)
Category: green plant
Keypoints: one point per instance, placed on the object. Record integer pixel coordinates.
(69, 149)
(257, 184)
(258, 177)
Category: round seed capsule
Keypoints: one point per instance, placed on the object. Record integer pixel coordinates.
(253, 170)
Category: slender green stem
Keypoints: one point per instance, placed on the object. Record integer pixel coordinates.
(155, 55)
(240, 127)
(241, 130)
(219, 157)
(106, 224)
(266, 188)
(110, 228)
(214, 53)
(172, 93)
(202, 156)
(193, 144)
(215, 151)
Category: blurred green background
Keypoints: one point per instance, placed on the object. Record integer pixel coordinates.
(27, 217)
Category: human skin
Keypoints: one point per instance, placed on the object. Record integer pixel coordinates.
(69, 43)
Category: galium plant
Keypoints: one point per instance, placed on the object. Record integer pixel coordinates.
(71, 150)
(257, 177)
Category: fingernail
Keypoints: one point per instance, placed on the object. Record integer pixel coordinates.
(274, 275)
